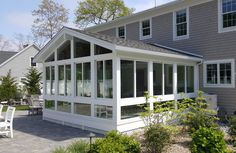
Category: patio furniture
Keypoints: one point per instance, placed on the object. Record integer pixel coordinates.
(1, 107)
(7, 125)
(35, 105)
(4, 102)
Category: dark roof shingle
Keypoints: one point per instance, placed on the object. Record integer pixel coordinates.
(5, 55)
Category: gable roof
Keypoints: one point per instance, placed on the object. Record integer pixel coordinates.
(17, 54)
(118, 44)
(5, 55)
(149, 13)
(136, 44)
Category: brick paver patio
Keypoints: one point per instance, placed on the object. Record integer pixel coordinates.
(33, 135)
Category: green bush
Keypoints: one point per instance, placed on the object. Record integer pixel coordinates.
(232, 126)
(76, 147)
(156, 137)
(208, 140)
(116, 142)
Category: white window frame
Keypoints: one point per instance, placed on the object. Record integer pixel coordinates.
(175, 37)
(141, 37)
(117, 31)
(220, 20)
(219, 85)
(31, 63)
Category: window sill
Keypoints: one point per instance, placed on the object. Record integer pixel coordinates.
(219, 86)
(145, 37)
(229, 29)
(177, 38)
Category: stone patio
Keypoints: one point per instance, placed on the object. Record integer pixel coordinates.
(33, 135)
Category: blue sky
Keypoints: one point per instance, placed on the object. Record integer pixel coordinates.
(15, 15)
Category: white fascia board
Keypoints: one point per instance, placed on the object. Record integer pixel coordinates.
(153, 12)
(38, 57)
(155, 53)
(17, 54)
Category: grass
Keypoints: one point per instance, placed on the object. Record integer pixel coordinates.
(19, 108)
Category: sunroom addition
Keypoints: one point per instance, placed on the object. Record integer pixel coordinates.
(97, 81)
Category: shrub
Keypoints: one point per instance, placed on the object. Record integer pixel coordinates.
(116, 142)
(208, 140)
(232, 126)
(76, 147)
(156, 137)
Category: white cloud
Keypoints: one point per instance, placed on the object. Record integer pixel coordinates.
(20, 19)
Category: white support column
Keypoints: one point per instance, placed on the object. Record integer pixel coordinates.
(196, 78)
(93, 86)
(56, 84)
(72, 48)
(135, 95)
(117, 89)
(175, 83)
(163, 79)
(150, 81)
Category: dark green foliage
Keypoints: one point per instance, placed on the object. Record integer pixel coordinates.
(116, 142)
(232, 126)
(76, 147)
(8, 88)
(208, 140)
(156, 137)
(32, 82)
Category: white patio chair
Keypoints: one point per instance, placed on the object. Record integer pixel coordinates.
(1, 117)
(7, 125)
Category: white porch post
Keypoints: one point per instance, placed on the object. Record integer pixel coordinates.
(73, 82)
(56, 79)
(175, 91)
(117, 89)
(196, 78)
(150, 82)
(93, 86)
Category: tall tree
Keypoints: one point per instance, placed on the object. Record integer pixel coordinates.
(49, 19)
(32, 82)
(8, 87)
(90, 12)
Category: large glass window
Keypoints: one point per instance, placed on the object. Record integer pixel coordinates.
(181, 23)
(225, 73)
(168, 78)
(131, 111)
(228, 13)
(212, 74)
(101, 50)
(181, 78)
(68, 80)
(82, 109)
(64, 51)
(157, 78)
(102, 111)
(50, 80)
(51, 58)
(141, 78)
(127, 79)
(104, 79)
(83, 79)
(190, 78)
(145, 28)
(63, 106)
(82, 48)
(61, 80)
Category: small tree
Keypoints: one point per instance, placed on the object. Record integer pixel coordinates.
(32, 82)
(8, 87)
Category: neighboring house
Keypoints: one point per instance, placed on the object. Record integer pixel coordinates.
(5, 55)
(19, 63)
(93, 79)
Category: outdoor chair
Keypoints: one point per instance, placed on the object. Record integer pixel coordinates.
(7, 125)
(35, 106)
(1, 117)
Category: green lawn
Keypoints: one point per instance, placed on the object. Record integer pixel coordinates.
(19, 108)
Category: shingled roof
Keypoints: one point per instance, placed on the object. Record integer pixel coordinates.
(5, 55)
(136, 44)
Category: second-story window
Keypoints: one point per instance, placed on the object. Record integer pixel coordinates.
(145, 29)
(121, 32)
(32, 63)
(229, 13)
(181, 24)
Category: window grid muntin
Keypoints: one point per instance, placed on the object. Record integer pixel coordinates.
(181, 23)
(121, 32)
(228, 13)
(146, 28)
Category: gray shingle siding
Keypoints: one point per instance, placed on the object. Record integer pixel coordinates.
(5, 55)
(204, 39)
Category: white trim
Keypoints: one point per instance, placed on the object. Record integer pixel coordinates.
(219, 85)
(220, 20)
(141, 37)
(117, 31)
(175, 37)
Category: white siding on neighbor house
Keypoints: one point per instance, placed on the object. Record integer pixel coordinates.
(20, 63)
